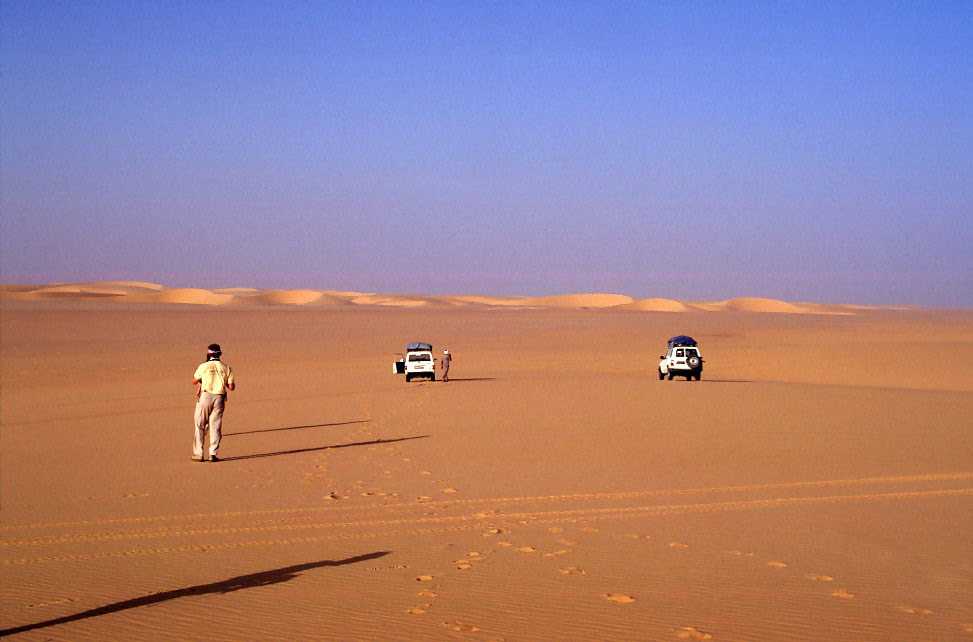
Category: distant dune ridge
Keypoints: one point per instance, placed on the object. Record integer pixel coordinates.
(657, 305)
(145, 292)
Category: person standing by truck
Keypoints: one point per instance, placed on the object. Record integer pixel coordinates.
(213, 379)
(444, 362)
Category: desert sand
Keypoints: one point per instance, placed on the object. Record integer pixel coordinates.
(816, 485)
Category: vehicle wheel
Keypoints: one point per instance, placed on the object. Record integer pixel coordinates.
(671, 375)
(661, 375)
(408, 377)
(699, 376)
(432, 377)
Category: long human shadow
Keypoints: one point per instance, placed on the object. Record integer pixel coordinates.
(726, 381)
(238, 583)
(373, 442)
(451, 379)
(338, 423)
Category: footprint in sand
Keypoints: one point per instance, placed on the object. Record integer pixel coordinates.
(427, 594)
(566, 542)
(424, 578)
(418, 610)
(504, 544)
(776, 564)
(460, 627)
(678, 545)
(914, 610)
(558, 553)
(449, 491)
(425, 473)
(483, 514)
(423, 498)
(526, 549)
(474, 554)
(619, 598)
(490, 532)
(692, 633)
(55, 602)
(843, 594)
(819, 578)
(390, 567)
(463, 565)
(572, 570)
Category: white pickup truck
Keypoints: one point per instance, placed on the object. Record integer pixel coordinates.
(417, 362)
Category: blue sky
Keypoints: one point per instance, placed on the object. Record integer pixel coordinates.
(806, 151)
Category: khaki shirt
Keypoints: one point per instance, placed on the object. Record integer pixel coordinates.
(215, 377)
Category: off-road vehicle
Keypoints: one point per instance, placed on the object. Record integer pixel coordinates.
(417, 362)
(682, 359)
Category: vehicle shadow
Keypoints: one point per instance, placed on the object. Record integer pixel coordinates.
(458, 380)
(238, 583)
(338, 423)
(725, 381)
(373, 442)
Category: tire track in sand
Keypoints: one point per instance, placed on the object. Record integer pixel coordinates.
(463, 523)
(427, 504)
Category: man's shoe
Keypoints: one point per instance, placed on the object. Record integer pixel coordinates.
(213, 459)
(197, 459)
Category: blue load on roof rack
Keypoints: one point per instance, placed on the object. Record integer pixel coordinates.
(682, 340)
(418, 346)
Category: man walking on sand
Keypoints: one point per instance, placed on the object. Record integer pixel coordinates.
(444, 362)
(212, 380)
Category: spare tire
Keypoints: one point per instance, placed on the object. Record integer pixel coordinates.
(693, 362)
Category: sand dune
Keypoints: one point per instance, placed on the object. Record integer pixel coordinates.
(193, 296)
(76, 291)
(389, 301)
(131, 286)
(146, 292)
(494, 301)
(656, 305)
(763, 305)
(237, 291)
(758, 304)
(581, 300)
(95, 289)
(345, 294)
(282, 297)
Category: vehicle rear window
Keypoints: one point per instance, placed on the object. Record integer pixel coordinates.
(680, 352)
(419, 357)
